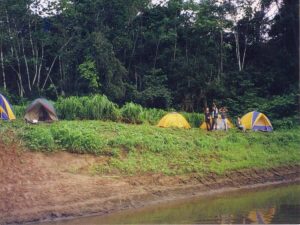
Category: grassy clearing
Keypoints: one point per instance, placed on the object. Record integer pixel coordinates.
(140, 149)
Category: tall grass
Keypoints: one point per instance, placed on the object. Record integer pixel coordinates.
(152, 116)
(96, 107)
(19, 110)
(132, 112)
(195, 119)
(99, 107)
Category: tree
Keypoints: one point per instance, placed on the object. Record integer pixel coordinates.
(89, 74)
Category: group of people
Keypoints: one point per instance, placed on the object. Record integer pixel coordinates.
(211, 118)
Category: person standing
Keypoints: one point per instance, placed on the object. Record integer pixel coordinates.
(207, 119)
(224, 111)
(215, 114)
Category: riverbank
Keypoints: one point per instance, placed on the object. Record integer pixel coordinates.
(41, 186)
(130, 150)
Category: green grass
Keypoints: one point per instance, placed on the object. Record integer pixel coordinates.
(140, 149)
(99, 107)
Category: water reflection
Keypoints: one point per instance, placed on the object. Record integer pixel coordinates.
(272, 205)
(262, 216)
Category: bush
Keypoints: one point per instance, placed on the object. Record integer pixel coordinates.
(280, 106)
(132, 113)
(38, 138)
(94, 107)
(195, 119)
(19, 110)
(285, 123)
(77, 140)
(69, 108)
(152, 116)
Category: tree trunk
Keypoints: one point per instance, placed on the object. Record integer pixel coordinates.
(19, 74)
(237, 50)
(40, 68)
(54, 60)
(175, 44)
(133, 51)
(186, 50)
(31, 41)
(2, 66)
(221, 51)
(156, 53)
(35, 66)
(9, 33)
(136, 78)
(26, 65)
(244, 54)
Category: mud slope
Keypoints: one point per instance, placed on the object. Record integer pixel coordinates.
(37, 186)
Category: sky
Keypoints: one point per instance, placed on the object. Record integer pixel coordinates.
(44, 4)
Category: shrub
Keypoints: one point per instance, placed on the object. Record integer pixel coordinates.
(131, 113)
(38, 138)
(94, 107)
(285, 123)
(152, 116)
(69, 108)
(101, 108)
(195, 119)
(19, 110)
(77, 140)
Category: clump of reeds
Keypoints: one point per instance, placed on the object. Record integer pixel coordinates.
(97, 107)
(132, 113)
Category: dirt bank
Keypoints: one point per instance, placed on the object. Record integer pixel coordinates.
(37, 186)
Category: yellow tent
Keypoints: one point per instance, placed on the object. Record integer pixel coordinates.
(173, 119)
(256, 121)
(220, 125)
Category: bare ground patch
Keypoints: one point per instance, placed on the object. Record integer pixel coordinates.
(39, 186)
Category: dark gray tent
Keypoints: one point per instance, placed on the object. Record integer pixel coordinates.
(40, 110)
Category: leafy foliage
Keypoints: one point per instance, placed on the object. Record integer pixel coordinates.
(131, 113)
(88, 72)
(182, 54)
(95, 107)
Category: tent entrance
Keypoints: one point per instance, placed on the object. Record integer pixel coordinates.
(43, 115)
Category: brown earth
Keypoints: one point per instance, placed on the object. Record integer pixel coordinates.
(39, 186)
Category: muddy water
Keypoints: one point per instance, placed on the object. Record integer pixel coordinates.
(268, 205)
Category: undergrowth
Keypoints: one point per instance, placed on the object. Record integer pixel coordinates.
(99, 107)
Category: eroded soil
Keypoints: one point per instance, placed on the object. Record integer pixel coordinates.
(39, 186)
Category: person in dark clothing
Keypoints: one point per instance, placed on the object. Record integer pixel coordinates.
(214, 115)
(207, 119)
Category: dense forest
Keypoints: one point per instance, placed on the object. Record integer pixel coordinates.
(176, 54)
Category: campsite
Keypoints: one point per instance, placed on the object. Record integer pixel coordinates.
(149, 112)
(143, 152)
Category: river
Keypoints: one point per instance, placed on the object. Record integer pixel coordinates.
(279, 204)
